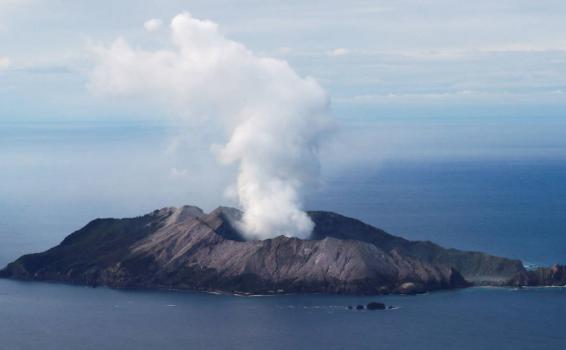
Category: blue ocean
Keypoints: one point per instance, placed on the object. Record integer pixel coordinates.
(55, 178)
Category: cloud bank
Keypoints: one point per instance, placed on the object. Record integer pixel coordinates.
(273, 120)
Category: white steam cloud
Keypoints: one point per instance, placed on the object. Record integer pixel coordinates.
(272, 118)
(152, 25)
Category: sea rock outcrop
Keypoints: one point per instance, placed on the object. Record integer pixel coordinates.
(375, 306)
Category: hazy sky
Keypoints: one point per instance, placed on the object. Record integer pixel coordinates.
(385, 59)
(416, 80)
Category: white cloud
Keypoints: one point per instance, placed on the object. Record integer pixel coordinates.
(153, 24)
(338, 52)
(457, 97)
(175, 172)
(272, 118)
(526, 48)
(4, 62)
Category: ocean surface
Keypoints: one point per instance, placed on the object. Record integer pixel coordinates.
(54, 317)
(56, 178)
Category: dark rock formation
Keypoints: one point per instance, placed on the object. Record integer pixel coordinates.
(185, 248)
(375, 306)
(542, 276)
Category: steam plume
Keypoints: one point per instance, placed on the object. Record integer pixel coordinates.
(272, 118)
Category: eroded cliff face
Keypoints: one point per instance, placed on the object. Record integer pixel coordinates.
(542, 276)
(477, 268)
(186, 248)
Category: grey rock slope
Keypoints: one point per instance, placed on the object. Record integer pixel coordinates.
(185, 248)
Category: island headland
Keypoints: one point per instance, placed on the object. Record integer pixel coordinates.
(188, 249)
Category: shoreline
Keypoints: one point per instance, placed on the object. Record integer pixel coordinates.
(260, 295)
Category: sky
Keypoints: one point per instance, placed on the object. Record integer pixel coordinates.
(417, 80)
(408, 80)
(376, 59)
